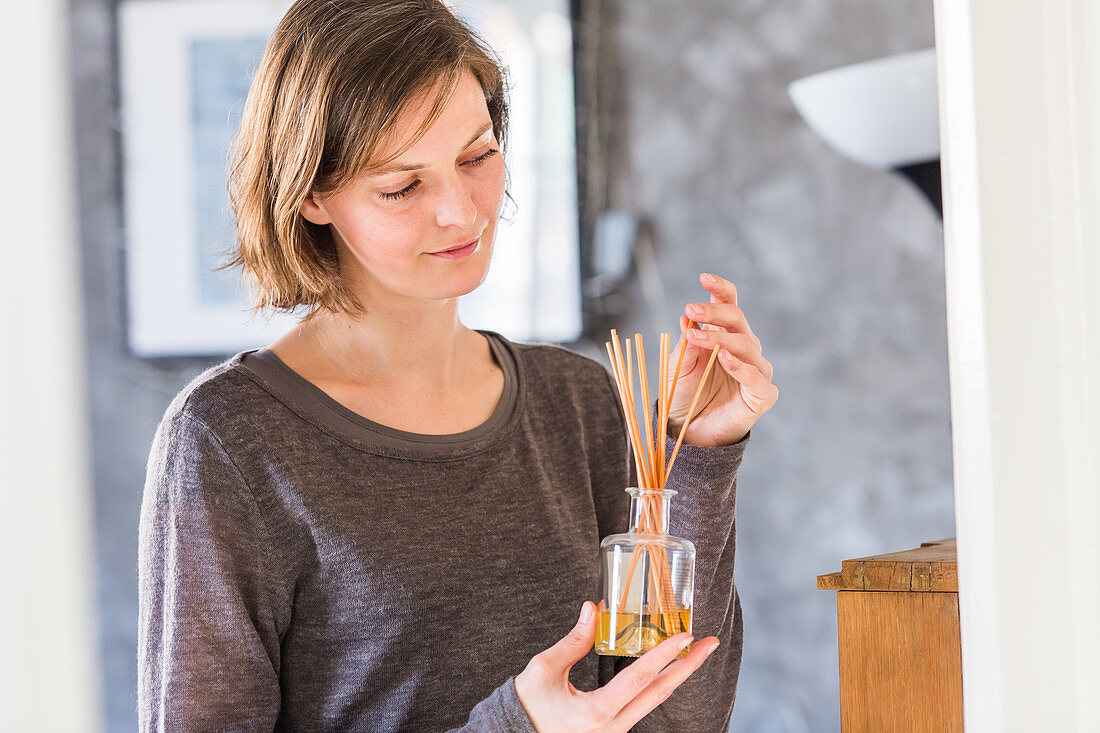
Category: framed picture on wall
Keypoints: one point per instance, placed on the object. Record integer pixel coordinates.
(185, 68)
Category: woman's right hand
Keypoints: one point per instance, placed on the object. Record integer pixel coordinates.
(553, 704)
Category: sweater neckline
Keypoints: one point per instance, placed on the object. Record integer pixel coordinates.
(316, 406)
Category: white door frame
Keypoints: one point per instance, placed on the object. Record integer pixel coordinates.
(1019, 113)
(49, 669)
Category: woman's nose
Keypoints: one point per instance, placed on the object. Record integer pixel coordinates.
(456, 206)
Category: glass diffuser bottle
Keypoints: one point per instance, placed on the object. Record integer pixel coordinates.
(647, 580)
(647, 575)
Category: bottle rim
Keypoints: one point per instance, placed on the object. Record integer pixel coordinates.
(645, 490)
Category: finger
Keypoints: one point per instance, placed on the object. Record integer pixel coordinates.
(558, 659)
(726, 315)
(721, 290)
(757, 391)
(663, 685)
(627, 684)
(740, 345)
(762, 394)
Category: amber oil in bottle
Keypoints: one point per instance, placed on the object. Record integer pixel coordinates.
(647, 580)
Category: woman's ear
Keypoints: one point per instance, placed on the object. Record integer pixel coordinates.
(313, 211)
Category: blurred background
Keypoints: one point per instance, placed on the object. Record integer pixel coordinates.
(690, 157)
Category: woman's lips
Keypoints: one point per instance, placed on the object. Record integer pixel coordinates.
(454, 254)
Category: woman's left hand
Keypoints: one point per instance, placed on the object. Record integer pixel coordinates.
(739, 388)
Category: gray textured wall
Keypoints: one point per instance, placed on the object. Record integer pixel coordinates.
(840, 271)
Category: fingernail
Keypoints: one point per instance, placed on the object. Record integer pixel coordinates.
(696, 333)
(709, 278)
(711, 650)
(694, 310)
(586, 612)
(684, 644)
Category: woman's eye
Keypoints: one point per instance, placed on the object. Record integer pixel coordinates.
(403, 193)
(415, 184)
(483, 157)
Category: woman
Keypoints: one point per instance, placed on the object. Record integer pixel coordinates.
(386, 520)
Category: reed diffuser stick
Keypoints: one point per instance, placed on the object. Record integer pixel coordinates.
(645, 477)
(620, 383)
(652, 462)
(691, 410)
(662, 408)
(628, 394)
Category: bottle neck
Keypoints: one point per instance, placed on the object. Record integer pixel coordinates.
(649, 510)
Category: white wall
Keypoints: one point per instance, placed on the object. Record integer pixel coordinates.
(1019, 85)
(48, 675)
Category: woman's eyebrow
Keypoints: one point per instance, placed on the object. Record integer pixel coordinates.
(417, 166)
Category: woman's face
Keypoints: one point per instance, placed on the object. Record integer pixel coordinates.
(443, 192)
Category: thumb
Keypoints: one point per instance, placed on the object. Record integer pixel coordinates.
(576, 644)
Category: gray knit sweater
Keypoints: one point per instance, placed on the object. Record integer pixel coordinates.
(305, 568)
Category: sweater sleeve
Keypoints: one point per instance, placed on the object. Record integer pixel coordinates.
(208, 643)
(705, 479)
(501, 712)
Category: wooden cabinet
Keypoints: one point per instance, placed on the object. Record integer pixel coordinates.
(898, 623)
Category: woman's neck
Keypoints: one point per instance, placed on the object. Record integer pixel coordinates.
(413, 345)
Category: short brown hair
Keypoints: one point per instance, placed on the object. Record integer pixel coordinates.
(334, 77)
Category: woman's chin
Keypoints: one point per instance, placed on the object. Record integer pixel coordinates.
(465, 280)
